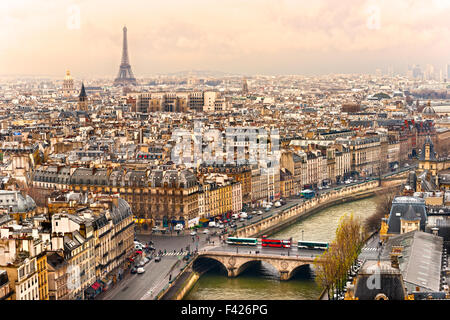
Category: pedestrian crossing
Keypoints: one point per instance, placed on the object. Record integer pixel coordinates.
(176, 253)
(370, 249)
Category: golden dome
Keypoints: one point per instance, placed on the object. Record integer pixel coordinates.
(68, 76)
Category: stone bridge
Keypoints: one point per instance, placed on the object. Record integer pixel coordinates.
(236, 263)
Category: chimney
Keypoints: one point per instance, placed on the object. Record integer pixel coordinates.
(115, 201)
(396, 252)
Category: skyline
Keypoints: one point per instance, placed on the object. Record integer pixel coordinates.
(265, 37)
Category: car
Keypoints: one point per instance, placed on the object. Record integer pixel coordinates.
(193, 233)
(158, 259)
(241, 219)
(249, 217)
(140, 264)
(205, 231)
(140, 270)
(212, 224)
(146, 260)
(133, 270)
(259, 212)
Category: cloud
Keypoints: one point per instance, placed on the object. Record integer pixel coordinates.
(236, 35)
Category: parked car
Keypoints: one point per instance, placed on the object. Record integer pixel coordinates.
(221, 226)
(193, 233)
(133, 270)
(241, 219)
(206, 231)
(259, 212)
(158, 259)
(249, 217)
(243, 215)
(141, 264)
(140, 270)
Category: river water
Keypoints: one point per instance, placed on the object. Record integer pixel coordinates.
(261, 282)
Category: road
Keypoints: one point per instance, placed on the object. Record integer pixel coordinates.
(146, 286)
(371, 249)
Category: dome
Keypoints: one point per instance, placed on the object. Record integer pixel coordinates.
(68, 76)
(428, 110)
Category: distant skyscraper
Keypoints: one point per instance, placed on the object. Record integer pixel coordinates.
(390, 71)
(244, 86)
(448, 72)
(417, 72)
(125, 76)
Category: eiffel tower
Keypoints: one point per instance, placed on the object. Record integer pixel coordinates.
(125, 76)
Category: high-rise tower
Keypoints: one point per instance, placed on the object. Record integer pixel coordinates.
(125, 76)
(244, 86)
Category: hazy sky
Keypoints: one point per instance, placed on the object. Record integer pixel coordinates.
(46, 37)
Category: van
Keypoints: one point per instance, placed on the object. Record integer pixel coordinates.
(212, 224)
(178, 227)
(243, 215)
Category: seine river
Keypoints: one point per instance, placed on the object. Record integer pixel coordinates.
(262, 282)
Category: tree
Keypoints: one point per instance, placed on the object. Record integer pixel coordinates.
(333, 265)
(384, 203)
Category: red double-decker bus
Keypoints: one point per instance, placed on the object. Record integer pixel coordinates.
(275, 243)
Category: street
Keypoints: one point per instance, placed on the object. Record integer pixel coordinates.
(146, 286)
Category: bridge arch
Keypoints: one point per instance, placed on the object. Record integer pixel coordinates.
(205, 264)
(244, 266)
(298, 268)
